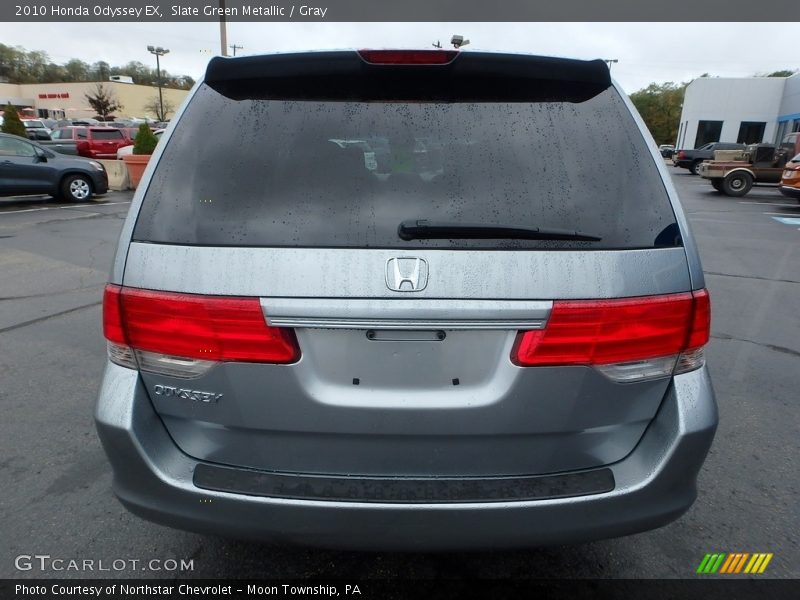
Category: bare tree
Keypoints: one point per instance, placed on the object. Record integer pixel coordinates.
(154, 107)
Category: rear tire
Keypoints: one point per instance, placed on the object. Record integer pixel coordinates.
(737, 184)
(695, 166)
(76, 188)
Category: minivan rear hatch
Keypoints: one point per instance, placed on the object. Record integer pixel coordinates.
(403, 218)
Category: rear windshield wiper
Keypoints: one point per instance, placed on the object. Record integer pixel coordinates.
(413, 229)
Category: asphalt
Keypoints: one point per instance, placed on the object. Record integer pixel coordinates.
(56, 497)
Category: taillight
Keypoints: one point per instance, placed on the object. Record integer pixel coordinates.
(183, 334)
(681, 154)
(408, 57)
(627, 339)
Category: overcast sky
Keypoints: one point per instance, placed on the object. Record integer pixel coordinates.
(647, 52)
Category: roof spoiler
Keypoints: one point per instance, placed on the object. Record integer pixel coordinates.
(469, 76)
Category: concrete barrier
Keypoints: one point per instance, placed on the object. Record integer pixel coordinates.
(117, 175)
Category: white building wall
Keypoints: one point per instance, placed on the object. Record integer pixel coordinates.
(789, 115)
(730, 101)
(791, 97)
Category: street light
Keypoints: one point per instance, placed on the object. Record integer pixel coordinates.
(609, 61)
(159, 52)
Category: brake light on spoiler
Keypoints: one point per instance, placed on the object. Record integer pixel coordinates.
(629, 339)
(408, 57)
(185, 334)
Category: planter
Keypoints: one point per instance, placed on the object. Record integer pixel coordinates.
(136, 164)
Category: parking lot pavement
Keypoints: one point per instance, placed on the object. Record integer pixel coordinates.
(53, 264)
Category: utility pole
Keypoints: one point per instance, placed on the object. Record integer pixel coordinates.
(223, 32)
(234, 47)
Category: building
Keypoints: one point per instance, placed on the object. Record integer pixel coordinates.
(744, 110)
(68, 100)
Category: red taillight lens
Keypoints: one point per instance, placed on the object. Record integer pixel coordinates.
(213, 328)
(701, 321)
(598, 332)
(408, 57)
(681, 154)
(112, 317)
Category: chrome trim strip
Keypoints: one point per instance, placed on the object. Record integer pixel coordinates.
(411, 324)
(363, 313)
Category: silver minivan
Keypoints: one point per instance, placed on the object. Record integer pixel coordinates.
(418, 300)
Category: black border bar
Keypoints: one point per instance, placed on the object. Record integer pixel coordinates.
(458, 11)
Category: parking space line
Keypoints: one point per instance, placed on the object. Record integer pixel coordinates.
(96, 205)
(788, 220)
(768, 203)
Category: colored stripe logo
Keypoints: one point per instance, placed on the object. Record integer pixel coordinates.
(734, 563)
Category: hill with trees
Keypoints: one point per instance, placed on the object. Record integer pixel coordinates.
(18, 65)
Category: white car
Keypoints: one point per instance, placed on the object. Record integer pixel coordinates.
(125, 150)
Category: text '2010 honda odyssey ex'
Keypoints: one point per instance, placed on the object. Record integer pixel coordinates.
(399, 300)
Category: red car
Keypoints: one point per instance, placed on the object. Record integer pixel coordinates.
(94, 142)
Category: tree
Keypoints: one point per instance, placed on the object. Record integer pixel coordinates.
(76, 70)
(101, 70)
(11, 122)
(145, 142)
(104, 102)
(783, 73)
(660, 107)
(154, 107)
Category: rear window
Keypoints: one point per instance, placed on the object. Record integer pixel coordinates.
(286, 173)
(101, 134)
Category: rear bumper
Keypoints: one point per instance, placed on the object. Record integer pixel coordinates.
(653, 485)
(791, 192)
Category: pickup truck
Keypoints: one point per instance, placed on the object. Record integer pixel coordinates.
(691, 159)
(91, 142)
(759, 163)
(60, 146)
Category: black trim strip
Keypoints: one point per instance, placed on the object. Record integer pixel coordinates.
(428, 490)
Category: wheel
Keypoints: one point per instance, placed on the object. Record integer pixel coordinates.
(695, 166)
(717, 183)
(76, 188)
(737, 183)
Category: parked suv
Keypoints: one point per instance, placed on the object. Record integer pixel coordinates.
(27, 168)
(384, 307)
(92, 142)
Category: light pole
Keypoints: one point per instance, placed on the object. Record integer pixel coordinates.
(159, 52)
(609, 61)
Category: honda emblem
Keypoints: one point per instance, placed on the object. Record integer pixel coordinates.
(406, 274)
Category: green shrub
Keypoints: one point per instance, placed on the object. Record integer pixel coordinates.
(146, 140)
(11, 122)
